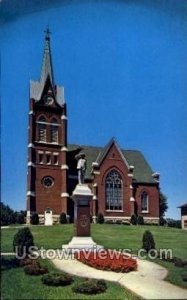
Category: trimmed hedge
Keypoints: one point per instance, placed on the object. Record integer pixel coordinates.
(140, 220)
(57, 279)
(90, 287)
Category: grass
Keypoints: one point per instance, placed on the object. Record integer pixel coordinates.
(16, 285)
(113, 237)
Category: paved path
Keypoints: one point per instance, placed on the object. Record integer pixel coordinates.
(148, 282)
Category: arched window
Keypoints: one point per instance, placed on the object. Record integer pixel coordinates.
(114, 191)
(42, 129)
(144, 202)
(54, 131)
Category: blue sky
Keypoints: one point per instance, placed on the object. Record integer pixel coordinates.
(123, 65)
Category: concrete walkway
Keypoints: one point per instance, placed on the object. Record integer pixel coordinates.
(148, 282)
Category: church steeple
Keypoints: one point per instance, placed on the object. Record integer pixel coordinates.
(47, 67)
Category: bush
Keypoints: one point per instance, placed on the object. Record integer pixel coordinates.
(184, 275)
(178, 262)
(173, 223)
(20, 217)
(140, 220)
(109, 222)
(63, 218)
(118, 222)
(162, 221)
(35, 269)
(90, 287)
(100, 218)
(148, 241)
(23, 239)
(57, 279)
(133, 220)
(35, 219)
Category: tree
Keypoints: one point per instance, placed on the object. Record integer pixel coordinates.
(7, 215)
(163, 204)
(23, 239)
(148, 241)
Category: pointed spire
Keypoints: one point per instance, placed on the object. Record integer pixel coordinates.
(47, 67)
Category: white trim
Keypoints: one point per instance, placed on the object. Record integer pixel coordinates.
(48, 123)
(113, 210)
(130, 175)
(31, 164)
(30, 193)
(64, 149)
(63, 117)
(132, 199)
(55, 153)
(95, 164)
(48, 152)
(117, 217)
(96, 172)
(64, 195)
(145, 212)
(95, 184)
(30, 145)
(94, 197)
(31, 112)
(131, 168)
(131, 187)
(40, 152)
(64, 167)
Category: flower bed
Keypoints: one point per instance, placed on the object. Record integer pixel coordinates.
(107, 260)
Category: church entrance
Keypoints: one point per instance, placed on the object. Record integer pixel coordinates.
(48, 216)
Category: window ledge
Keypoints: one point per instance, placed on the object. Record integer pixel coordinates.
(145, 212)
(112, 210)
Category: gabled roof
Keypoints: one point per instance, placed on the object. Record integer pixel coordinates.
(37, 87)
(183, 205)
(142, 170)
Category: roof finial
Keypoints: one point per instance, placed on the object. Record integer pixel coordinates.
(47, 33)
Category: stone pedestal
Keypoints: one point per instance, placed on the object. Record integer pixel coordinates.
(82, 196)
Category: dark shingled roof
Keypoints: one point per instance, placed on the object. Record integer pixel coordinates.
(142, 170)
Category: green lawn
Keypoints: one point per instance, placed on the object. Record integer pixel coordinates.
(16, 285)
(111, 236)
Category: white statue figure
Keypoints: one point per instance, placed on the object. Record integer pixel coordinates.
(81, 167)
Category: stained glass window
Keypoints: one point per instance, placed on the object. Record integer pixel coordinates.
(114, 191)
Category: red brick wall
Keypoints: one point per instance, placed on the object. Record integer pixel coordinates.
(153, 202)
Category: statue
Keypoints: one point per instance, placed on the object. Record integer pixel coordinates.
(81, 167)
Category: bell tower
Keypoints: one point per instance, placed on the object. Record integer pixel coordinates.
(47, 143)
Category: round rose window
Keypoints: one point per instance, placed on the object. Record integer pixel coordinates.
(47, 181)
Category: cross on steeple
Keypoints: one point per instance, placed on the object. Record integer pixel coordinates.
(47, 33)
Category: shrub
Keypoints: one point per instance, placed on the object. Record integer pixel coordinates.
(90, 287)
(34, 219)
(7, 215)
(184, 275)
(162, 221)
(118, 222)
(57, 279)
(109, 222)
(26, 262)
(35, 269)
(140, 220)
(23, 239)
(178, 262)
(108, 260)
(133, 220)
(20, 217)
(63, 218)
(148, 241)
(100, 218)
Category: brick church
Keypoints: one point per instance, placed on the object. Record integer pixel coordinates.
(122, 182)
